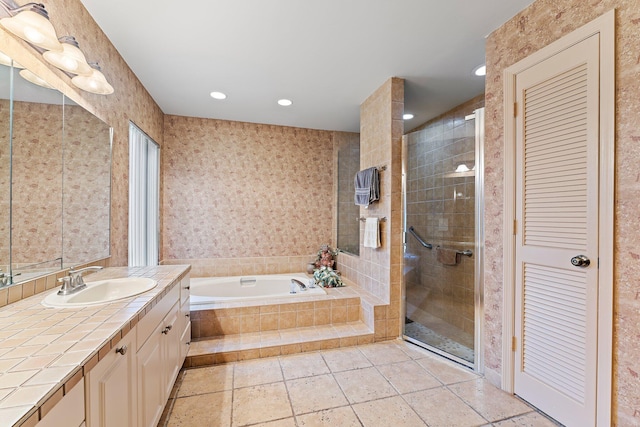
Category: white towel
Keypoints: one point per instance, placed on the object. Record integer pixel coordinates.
(372, 233)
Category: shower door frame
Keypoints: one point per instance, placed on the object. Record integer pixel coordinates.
(478, 344)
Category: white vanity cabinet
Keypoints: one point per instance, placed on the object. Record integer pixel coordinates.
(111, 386)
(131, 384)
(159, 357)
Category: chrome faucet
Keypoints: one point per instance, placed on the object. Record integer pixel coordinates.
(74, 281)
(300, 285)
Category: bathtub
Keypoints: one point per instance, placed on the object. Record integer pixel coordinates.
(206, 290)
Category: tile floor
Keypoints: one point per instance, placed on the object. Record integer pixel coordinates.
(391, 384)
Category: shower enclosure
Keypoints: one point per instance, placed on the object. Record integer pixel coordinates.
(443, 234)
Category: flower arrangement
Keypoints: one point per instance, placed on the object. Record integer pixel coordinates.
(324, 274)
(325, 257)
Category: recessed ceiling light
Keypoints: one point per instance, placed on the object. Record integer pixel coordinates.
(480, 70)
(284, 102)
(218, 95)
(407, 116)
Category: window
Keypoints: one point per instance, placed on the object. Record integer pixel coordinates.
(144, 198)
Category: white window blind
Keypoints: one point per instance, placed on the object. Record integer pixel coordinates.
(144, 198)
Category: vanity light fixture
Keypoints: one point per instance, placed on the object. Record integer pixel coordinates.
(70, 59)
(480, 70)
(407, 116)
(31, 23)
(95, 82)
(31, 77)
(284, 102)
(6, 60)
(218, 95)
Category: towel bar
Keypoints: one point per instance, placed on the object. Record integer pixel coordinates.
(363, 219)
(467, 252)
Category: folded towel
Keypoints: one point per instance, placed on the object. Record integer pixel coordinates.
(367, 185)
(372, 233)
(447, 256)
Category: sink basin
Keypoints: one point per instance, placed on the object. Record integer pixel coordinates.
(101, 292)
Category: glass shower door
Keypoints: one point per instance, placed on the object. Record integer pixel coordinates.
(442, 256)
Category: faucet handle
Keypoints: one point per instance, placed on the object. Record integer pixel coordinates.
(66, 285)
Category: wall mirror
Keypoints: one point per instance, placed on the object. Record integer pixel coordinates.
(55, 185)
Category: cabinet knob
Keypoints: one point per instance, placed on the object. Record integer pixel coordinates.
(122, 350)
(187, 315)
(187, 287)
(166, 329)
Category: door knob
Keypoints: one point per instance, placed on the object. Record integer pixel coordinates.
(580, 261)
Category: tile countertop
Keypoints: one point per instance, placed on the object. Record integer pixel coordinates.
(42, 348)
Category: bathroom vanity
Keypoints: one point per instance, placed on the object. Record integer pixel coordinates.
(102, 365)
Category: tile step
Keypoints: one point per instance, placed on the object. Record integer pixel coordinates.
(233, 348)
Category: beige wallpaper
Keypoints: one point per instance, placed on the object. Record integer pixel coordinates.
(537, 26)
(87, 174)
(4, 180)
(234, 189)
(36, 183)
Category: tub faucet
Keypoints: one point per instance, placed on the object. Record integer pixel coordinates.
(6, 278)
(74, 281)
(301, 286)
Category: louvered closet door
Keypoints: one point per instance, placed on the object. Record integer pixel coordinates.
(557, 220)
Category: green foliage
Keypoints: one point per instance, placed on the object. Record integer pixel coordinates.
(327, 278)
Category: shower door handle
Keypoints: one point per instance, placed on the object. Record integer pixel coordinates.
(580, 261)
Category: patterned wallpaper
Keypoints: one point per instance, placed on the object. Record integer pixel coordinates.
(36, 182)
(4, 179)
(234, 189)
(87, 174)
(535, 27)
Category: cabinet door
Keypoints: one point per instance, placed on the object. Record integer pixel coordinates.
(171, 349)
(185, 340)
(111, 387)
(151, 389)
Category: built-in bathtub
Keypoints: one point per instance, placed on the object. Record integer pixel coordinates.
(208, 290)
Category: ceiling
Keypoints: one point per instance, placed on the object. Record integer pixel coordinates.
(326, 56)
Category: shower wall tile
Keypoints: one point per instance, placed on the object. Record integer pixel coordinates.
(380, 145)
(535, 27)
(441, 207)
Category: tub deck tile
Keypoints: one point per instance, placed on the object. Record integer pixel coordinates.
(266, 344)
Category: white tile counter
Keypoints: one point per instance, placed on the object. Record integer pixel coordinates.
(43, 350)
